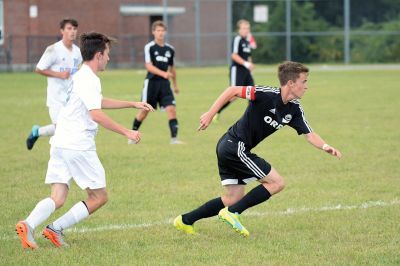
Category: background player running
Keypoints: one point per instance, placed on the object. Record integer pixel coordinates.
(58, 63)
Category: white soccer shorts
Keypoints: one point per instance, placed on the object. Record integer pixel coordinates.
(82, 166)
(54, 111)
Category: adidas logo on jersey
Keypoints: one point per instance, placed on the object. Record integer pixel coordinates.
(272, 111)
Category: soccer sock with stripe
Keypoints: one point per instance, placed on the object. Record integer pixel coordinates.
(136, 124)
(173, 127)
(41, 212)
(208, 209)
(76, 214)
(255, 196)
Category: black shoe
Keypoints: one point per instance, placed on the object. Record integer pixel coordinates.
(33, 137)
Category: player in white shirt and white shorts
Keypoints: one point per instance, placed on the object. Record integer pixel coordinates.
(58, 63)
(73, 149)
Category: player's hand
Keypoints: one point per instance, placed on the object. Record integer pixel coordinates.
(205, 121)
(251, 66)
(64, 74)
(168, 75)
(332, 151)
(176, 89)
(133, 135)
(145, 106)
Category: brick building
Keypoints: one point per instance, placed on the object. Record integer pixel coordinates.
(28, 26)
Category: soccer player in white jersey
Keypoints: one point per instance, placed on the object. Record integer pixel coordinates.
(269, 110)
(58, 63)
(73, 150)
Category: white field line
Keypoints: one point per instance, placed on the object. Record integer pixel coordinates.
(289, 211)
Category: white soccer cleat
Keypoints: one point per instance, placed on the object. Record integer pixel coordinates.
(131, 141)
(175, 141)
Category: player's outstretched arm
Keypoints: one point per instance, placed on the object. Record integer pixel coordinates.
(108, 103)
(319, 143)
(101, 118)
(228, 94)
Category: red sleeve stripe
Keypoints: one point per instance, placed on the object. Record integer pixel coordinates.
(248, 92)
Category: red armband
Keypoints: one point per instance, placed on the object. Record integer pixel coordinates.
(248, 92)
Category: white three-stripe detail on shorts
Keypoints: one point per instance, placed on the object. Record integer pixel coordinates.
(144, 92)
(248, 162)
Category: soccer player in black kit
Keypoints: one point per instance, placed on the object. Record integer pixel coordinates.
(269, 110)
(242, 65)
(159, 60)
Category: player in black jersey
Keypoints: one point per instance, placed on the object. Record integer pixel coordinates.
(159, 60)
(242, 65)
(269, 110)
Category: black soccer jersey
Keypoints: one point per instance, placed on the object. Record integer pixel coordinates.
(241, 47)
(265, 114)
(160, 56)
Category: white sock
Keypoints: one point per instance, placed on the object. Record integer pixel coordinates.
(41, 212)
(76, 214)
(47, 130)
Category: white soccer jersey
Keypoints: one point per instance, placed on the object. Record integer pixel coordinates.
(59, 58)
(75, 128)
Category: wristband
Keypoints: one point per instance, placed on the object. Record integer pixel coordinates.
(325, 146)
(246, 64)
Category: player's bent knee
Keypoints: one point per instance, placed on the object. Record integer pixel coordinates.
(103, 199)
(229, 200)
(280, 185)
(58, 202)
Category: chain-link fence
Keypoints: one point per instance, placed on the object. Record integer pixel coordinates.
(322, 31)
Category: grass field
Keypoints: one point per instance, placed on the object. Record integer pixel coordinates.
(332, 212)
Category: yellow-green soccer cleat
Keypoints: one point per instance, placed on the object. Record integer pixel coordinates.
(188, 229)
(233, 219)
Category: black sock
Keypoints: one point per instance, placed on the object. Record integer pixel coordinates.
(136, 124)
(223, 107)
(173, 126)
(208, 209)
(255, 196)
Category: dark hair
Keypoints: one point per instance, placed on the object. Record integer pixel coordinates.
(66, 21)
(289, 70)
(158, 23)
(93, 42)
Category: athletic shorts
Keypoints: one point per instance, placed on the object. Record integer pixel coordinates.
(236, 164)
(158, 91)
(82, 166)
(240, 76)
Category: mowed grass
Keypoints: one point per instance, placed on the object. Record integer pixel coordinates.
(151, 183)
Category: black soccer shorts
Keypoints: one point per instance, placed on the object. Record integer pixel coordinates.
(158, 91)
(236, 164)
(240, 76)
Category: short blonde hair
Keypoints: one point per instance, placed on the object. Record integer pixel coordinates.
(158, 23)
(240, 22)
